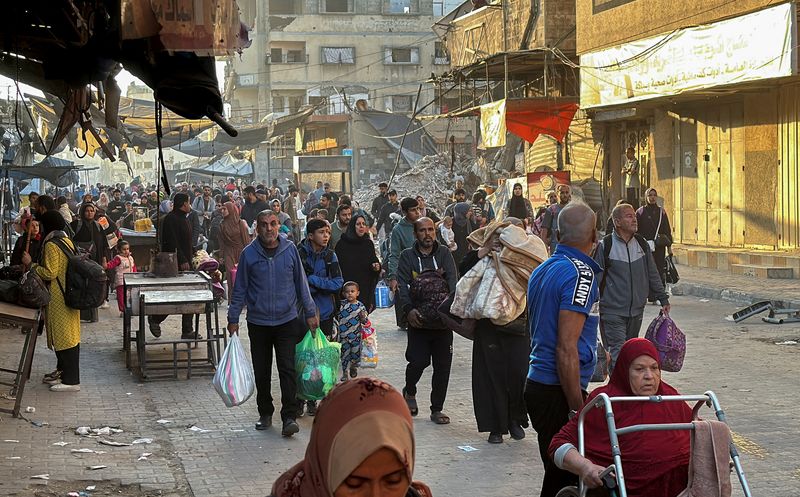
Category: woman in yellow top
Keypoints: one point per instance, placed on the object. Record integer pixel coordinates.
(63, 323)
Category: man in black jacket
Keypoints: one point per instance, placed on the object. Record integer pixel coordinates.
(379, 201)
(116, 208)
(428, 339)
(252, 206)
(384, 216)
(176, 236)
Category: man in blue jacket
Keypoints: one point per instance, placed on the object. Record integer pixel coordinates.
(324, 279)
(271, 282)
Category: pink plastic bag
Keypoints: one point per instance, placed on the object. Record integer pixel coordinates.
(233, 276)
(669, 340)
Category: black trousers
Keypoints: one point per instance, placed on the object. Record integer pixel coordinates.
(549, 411)
(187, 321)
(499, 371)
(426, 347)
(68, 361)
(282, 338)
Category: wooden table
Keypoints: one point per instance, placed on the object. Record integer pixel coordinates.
(27, 319)
(160, 302)
(135, 283)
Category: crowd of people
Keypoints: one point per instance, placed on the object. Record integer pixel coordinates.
(300, 261)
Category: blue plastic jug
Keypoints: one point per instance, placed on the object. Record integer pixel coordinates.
(384, 298)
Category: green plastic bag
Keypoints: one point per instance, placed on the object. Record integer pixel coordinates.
(316, 363)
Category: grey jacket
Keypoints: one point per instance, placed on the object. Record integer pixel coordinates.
(632, 275)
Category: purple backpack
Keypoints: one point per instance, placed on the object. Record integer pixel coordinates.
(669, 340)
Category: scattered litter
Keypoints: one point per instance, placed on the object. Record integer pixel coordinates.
(144, 456)
(11, 441)
(729, 317)
(705, 300)
(104, 431)
(91, 487)
(113, 443)
(128, 393)
(13, 458)
(99, 466)
(164, 421)
(239, 430)
(142, 441)
(745, 390)
(30, 409)
(74, 494)
(787, 342)
(45, 476)
(7, 396)
(87, 451)
(40, 424)
(61, 444)
(198, 430)
(467, 448)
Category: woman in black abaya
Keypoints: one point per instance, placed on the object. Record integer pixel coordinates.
(358, 261)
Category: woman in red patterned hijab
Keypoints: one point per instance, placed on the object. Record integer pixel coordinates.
(656, 463)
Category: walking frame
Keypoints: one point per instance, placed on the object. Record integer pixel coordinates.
(605, 402)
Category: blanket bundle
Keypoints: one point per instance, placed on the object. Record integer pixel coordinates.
(496, 287)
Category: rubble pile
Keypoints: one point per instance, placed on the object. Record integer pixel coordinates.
(429, 177)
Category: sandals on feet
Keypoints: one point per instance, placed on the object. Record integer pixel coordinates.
(440, 418)
(411, 402)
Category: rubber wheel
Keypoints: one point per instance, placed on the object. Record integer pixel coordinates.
(568, 492)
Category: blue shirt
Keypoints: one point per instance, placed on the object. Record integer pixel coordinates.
(566, 281)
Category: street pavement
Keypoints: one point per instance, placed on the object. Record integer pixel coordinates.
(755, 379)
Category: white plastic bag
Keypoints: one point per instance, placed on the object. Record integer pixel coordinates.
(234, 380)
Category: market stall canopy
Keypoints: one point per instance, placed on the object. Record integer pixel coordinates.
(59, 172)
(226, 167)
(527, 118)
(391, 127)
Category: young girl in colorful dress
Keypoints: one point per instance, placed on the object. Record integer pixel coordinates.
(352, 317)
(121, 263)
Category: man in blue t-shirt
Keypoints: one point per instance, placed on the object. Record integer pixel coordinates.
(563, 317)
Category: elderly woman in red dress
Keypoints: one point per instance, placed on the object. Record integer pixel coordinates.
(656, 463)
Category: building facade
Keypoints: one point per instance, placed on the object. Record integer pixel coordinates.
(706, 95)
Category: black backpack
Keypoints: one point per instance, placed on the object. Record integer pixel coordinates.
(85, 286)
(427, 292)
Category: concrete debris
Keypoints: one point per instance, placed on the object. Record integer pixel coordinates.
(430, 177)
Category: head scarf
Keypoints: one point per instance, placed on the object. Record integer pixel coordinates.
(102, 202)
(83, 208)
(516, 206)
(351, 235)
(231, 225)
(356, 419)
(646, 455)
(165, 207)
(460, 213)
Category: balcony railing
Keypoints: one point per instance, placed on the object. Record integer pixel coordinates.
(288, 59)
(440, 60)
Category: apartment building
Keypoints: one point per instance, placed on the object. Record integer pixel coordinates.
(333, 53)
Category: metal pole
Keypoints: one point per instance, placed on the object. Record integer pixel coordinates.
(403, 139)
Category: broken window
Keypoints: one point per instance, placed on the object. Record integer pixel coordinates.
(284, 7)
(401, 56)
(276, 55)
(338, 55)
(400, 7)
(336, 6)
(440, 54)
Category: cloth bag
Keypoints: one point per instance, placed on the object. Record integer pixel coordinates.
(463, 326)
(316, 362)
(369, 347)
(234, 380)
(669, 340)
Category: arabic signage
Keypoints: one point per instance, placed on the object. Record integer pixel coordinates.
(752, 47)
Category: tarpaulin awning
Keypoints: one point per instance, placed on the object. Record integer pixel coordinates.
(59, 172)
(527, 118)
(391, 127)
(226, 166)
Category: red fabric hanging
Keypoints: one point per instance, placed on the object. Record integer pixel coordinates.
(529, 118)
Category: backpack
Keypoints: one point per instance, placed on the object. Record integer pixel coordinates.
(607, 242)
(85, 285)
(32, 291)
(427, 291)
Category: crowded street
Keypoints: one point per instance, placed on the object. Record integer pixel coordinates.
(740, 362)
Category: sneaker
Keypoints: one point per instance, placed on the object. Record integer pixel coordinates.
(290, 427)
(516, 431)
(311, 408)
(52, 381)
(105, 305)
(353, 372)
(343, 378)
(53, 374)
(65, 388)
